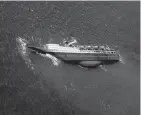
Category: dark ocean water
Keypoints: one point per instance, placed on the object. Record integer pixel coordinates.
(33, 85)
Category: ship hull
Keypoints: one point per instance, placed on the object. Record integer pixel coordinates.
(84, 56)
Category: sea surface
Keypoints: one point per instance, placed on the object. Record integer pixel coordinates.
(35, 84)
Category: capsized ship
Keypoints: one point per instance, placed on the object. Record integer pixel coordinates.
(83, 54)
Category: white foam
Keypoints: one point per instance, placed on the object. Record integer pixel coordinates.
(121, 59)
(103, 68)
(21, 43)
(83, 67)
(54, 60)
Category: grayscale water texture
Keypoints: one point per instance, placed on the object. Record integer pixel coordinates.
(31, 84)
